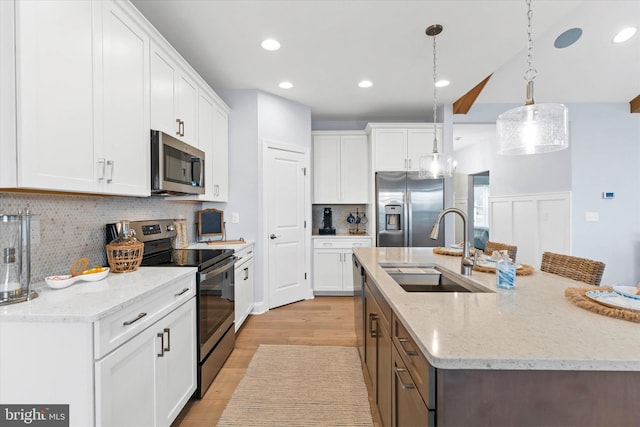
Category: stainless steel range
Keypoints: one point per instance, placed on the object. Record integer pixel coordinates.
(215, 289)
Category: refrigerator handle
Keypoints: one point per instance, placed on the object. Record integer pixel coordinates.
(408, 220)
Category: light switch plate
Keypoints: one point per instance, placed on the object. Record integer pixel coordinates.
(235, 218)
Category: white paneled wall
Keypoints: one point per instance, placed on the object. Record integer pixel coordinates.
(534, 222)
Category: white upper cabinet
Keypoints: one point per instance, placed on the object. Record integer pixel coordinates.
(173, 97)
(220, 161)
(125, 126)
(340, 167)
(398, 147)
(55, 108)
(213, 139)
(81, 93)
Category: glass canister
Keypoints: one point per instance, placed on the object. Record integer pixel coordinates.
(15, 258)
(124, 253)
(505, 273)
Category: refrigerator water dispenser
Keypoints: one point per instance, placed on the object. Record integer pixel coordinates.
(393, 215)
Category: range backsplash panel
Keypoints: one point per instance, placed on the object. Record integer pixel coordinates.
(70, 227)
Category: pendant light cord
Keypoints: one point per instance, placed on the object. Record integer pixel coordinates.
(531, 72)
(435, 99)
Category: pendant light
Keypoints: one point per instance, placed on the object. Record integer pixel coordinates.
(436, 165)
(532, 128)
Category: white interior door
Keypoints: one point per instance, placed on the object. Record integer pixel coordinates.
(284, 201)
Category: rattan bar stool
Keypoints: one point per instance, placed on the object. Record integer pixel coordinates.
(581, 269)
(490, 246)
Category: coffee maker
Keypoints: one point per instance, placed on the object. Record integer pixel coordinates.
(327, 223)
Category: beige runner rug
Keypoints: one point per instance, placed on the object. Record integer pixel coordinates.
(297, 385)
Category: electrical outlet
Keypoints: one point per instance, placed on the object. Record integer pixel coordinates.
(591, 217)
(235, 218)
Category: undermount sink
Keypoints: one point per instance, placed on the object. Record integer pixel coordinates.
(430, 279)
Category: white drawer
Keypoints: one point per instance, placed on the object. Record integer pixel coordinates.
(114, 330)
(243, 255)
(341, 243)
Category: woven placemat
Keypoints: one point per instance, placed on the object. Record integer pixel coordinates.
(577, 296)
(525, 270)
(444, 251)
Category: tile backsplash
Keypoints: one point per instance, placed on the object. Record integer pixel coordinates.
(73, 226)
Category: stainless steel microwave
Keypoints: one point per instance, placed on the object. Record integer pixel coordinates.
(177, 168)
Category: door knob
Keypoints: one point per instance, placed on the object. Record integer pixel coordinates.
(273, 236)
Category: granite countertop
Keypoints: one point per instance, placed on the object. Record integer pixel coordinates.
(531, 327)
(91, 301)
(341, 236)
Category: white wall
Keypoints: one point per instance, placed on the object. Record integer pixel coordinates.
(256, 116)
(605, 143)
(604, 155)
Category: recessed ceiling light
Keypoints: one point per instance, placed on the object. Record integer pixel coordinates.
(442, 83)
(285, 85)
(624, 34)
(270, 44)
(567, 38)
(365, 84)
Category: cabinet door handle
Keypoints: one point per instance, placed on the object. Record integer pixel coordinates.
(405, 386)
(168, 332)
(161, 336)
(131, 322)
(373, 333)
(402, 342)
(246, 273)
(409, 163)
(178, 126)
(110, 165)
(101, 169)
(181, 127)
(181, 292)
(405, 163)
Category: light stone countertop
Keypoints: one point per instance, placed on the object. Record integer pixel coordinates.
(531, 327)
(91, 301)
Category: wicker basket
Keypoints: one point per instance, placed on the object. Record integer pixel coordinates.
(124, 258)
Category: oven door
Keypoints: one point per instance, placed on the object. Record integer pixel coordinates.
(215, 304)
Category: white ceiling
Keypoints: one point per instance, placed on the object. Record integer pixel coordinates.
(328, 46)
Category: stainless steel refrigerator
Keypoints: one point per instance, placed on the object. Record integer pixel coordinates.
(407, 208)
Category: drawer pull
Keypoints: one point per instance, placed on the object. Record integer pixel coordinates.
(182, 292)
(161, 336)
(404, 349)
(168, 332)
(405, 386)
(373, 332)
(131, 322)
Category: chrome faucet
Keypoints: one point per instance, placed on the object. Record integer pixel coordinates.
(467, 263)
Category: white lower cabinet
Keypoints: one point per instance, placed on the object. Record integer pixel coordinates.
(332, 270)
(162, 358)
(244, 278)
(136, 366)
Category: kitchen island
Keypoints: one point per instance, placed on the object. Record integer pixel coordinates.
(525, 356)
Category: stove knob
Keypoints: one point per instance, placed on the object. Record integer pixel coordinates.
(171, 227)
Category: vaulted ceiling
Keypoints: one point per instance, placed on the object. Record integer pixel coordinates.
(328, 46)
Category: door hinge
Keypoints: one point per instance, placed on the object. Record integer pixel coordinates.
(304, 171)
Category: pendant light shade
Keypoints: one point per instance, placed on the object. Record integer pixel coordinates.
(436, 165)
(532, 128)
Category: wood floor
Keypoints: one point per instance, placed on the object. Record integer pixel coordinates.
(320, 321)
